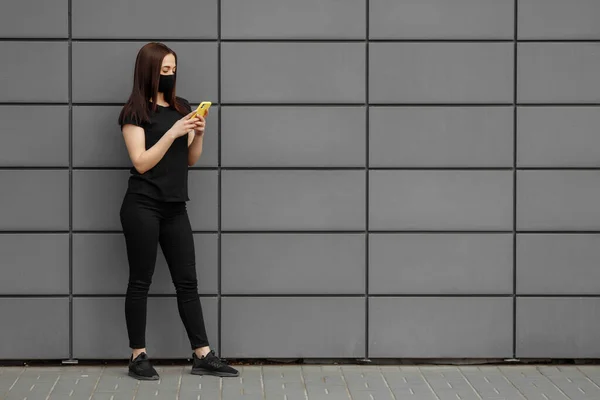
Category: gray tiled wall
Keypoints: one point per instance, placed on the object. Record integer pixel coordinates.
(381, 178)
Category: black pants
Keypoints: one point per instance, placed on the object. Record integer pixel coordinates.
(146, 223)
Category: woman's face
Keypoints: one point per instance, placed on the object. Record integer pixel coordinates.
(168, 65)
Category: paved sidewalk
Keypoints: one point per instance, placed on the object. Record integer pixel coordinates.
(311, 382)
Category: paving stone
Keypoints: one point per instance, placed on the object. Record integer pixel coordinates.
(184, 395)
(285, 397)
(65, 397)
(30, 396)
(414, 394)
(112, 396)
(329, 391)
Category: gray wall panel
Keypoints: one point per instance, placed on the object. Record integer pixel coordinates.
(441, 19)
(558, 327)
(97, 137)
(203, 207)
(336, 327)
(293, 72)
(558, 137)
(558, 200)
(35, 19)
(22, 338)
(34, 264)
(457, 327)
(441, 137)
(557, 19)
(558, 264)
(100, 265)
(34, 71)
(175, 19)
(440, 72)
(293, 200)
(112, 64)
(440, 200)
(559, 72)
(20, 145)
(99, 328)
(440, 264)
(293, 137)
(97, 199)
(98, 141)
(34, 200)
(293, 264)
(291, 19)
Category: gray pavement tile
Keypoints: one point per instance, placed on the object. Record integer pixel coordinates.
(284, 386)
(115, 383)
(6, 384)
(112, 396)
(30, 396)
(331, 390)
(65, 397)
(39, 377)
(327, 378)
(414, 394)
(285, 396)
(28, 388)
(7, 369)
(196, 383)
(45, 370)
(154, 393)
(330, 397)
(203, 395)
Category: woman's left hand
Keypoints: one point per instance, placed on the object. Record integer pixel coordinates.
(200, 125)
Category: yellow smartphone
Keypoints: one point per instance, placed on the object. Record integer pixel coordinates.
(202, 109)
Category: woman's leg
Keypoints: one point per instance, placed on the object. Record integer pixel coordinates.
(141, 223)
(177, 243)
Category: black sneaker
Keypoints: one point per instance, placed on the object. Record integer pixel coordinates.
(142, 369)
(212, 365)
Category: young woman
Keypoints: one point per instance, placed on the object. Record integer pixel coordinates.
(162, 141)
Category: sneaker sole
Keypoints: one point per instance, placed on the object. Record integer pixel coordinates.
(199, 371)
(143, 378)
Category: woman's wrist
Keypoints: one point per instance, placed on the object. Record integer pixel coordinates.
(170, 135)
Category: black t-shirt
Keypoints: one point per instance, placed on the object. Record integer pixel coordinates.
(168, 180)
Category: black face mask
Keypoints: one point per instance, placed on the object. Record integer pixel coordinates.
(166, 83)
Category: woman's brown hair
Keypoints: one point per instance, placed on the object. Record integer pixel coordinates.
(146, 76)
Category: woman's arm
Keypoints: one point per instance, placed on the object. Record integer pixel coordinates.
(143, 160)
(196, 140)
(195, 143)
(135, 139)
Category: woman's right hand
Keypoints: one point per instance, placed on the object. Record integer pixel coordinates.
(183, 126)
